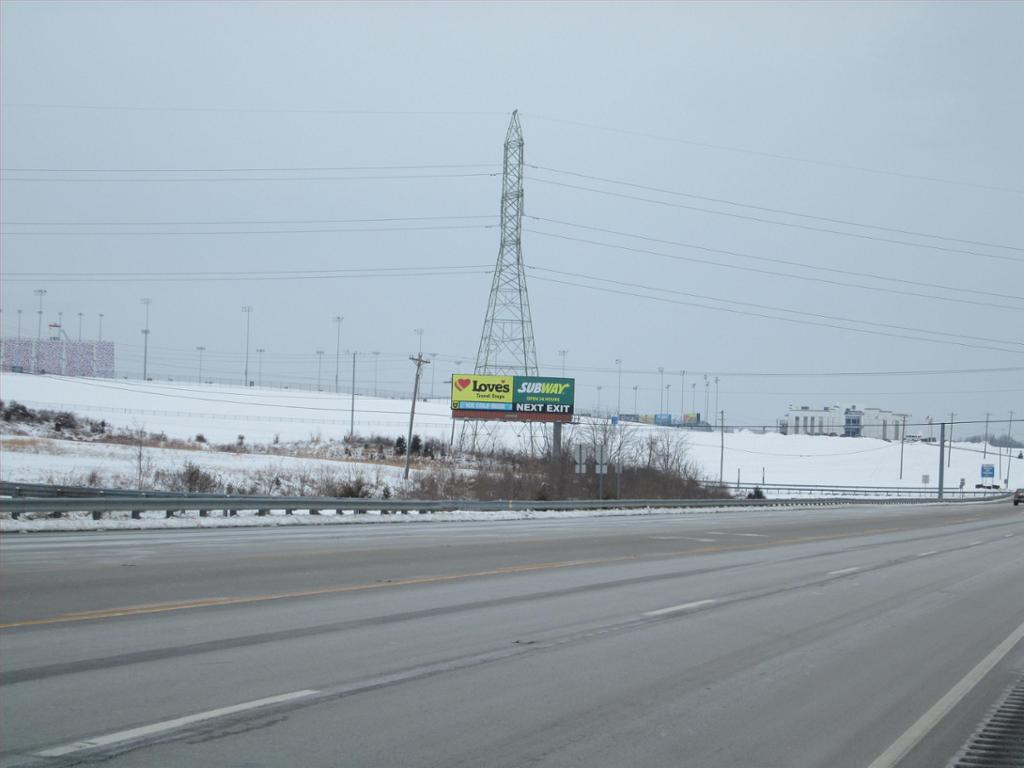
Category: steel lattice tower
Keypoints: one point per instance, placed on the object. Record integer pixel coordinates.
(506, 344)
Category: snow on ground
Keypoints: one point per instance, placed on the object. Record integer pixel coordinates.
(222, 413)
(67, 462)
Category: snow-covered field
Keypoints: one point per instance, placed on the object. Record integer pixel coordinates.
(222, 413)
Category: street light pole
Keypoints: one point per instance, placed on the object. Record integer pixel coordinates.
(80, 315)
(618, 401)
(563, 353)
(248, 316)
(145, 341)
(101, 328)
(319, 365)
(259, 365)
(949, 457)
(40, 292)
(419, 350)
(352, 405)
(19, 325)
(636, 387)
(200, 350)
(337, 351)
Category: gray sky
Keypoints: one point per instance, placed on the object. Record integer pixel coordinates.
(904, 116)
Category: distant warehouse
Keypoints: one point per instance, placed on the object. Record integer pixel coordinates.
(837, 421)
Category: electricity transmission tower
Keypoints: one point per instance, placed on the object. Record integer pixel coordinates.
(506, 344)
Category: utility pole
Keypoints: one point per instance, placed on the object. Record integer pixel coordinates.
(693, 401)
(949, 457)
(706, 393)
(419, 333)
(599, 399)
(248, 316)
(352, 401)
(80, 316)
(259, 365)
(319, 365)
(337, 351)
(984, 452)
(721, 450)
(433, 373)
(903, 438)
(200, 350)
(563, 353)
(376, 360)
(668, 394)
(661, 390)
(942, 449)
(145, 341)
(101, 327)
(635, 388)
(618, 400)
(420, 362)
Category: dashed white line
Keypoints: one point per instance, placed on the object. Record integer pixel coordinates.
(678, 608)
(170, 725)
(687, 538)
(1008, 536)
(734, 533)
(927, 554)
(975, 543)
(841, 571)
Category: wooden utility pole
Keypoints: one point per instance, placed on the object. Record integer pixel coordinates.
(420, 362)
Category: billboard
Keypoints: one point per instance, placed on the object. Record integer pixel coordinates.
(512, 398)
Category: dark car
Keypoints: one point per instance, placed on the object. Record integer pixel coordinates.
(1018, 496)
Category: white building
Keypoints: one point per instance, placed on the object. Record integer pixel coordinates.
(848, 422)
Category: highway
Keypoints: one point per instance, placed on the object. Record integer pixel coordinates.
(810, 637)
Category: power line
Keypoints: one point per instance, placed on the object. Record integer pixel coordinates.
(722, 265)
(780, 156)
(777, 222)
(772, 260)
(256, 231)
(775, 309)
(292, 169)
(445, 272)
(767, 209)
(665, 300)
(238, 222)
(390, 177)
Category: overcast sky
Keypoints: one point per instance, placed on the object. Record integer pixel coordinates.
(907, 117)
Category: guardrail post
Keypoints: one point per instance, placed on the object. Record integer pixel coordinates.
(97, 515)
(136, 515)
(204, 513)
(263, 512)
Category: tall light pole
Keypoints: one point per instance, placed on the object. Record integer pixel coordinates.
(668, 393)
(80, 315)
(661, 386)
(693, 400)
(618, 397)
(247, 309)
(40, 292)
(682, 393)
(563, 353)
(145, 341)
(419, 350)
(101, 328)
(949, 458)
(376, 360)
(598, 399)
(259, 365)
(337, 350)
(433, 372)
(707, 393)
(984, 453)
(716, 394)
(636, 388)
(319, 364)
(200, 350)
(19, 325)
(352, 399)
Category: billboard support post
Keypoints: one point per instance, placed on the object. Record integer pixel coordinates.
(556, 441)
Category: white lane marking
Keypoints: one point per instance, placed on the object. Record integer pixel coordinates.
(688, 538)
(734, 533)
(975, 543)
(1008, 536)
(926, 554)
(170, 725)
(913, 735)
(683, 607)
(841, 571)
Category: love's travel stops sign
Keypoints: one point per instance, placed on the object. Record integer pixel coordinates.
(512, 398)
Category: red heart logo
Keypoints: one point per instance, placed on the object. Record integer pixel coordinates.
(461, 384)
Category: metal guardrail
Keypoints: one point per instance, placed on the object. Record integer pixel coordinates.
(57, 507)
(860, 490)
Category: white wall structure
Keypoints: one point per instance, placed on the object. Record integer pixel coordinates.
(851, 422)
(804, 420)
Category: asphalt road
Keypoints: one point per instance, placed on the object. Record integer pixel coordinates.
(813, 637)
